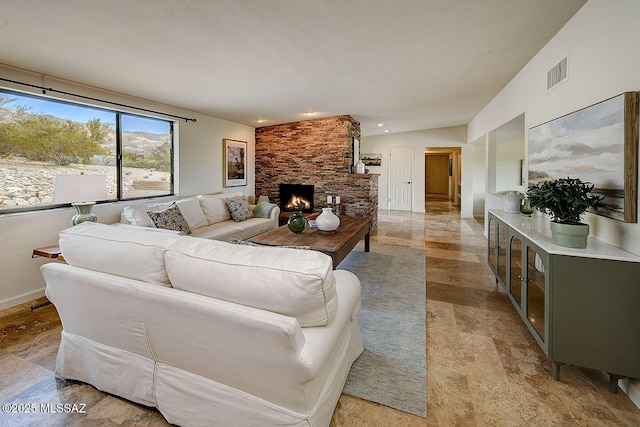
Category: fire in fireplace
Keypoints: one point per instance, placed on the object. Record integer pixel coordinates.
(296, 197)
(298, 203)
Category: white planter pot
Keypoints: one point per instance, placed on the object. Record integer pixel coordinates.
(327, 220)
(570, 235)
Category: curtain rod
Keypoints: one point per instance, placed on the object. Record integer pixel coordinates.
(50, 89)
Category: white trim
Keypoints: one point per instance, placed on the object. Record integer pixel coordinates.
(19, 299)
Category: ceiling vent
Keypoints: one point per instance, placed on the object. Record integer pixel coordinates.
(558, 74)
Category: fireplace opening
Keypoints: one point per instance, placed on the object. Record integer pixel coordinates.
(296, 197)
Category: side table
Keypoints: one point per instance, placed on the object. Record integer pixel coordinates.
(51, 252)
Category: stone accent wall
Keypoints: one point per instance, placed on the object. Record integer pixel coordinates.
(317, 152)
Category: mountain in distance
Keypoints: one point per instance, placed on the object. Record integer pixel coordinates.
(142, 142)
(137, 142)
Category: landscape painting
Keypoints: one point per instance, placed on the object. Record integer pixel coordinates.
(597, 144)
(235, 159)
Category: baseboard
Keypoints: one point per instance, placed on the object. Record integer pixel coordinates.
(632, 388)
(28, 296)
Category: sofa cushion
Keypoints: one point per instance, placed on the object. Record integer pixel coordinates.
(150, 229)
(170, 219)
(291, 282)
(192, 212)
(215, 207)
(137, 214)
(224, 230)
(189, 206)
(239, 208)
(136, 254)
(254, 226)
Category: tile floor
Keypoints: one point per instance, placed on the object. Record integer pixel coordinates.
(483, 366)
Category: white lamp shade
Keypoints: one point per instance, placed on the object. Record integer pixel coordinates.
(80, 188)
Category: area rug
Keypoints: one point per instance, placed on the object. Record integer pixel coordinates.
(392, 370)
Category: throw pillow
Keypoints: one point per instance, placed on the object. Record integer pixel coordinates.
(215, 207)
(170, 219)
(137, 214)
(239, 208)
(263, 208)
(192, 212)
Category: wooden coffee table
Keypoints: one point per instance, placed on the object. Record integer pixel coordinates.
(336, 244)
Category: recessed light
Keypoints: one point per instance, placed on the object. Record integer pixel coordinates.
(380, 125)
(310, 113)
(261, 120)
(386, 130)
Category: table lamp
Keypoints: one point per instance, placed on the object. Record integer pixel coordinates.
(81, 191)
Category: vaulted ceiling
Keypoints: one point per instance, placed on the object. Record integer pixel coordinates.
(406, 64)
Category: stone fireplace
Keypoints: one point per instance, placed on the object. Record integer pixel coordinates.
(316, 152)
(296, 197)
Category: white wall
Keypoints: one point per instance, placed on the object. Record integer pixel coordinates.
(198, 170)
(478, 171)
(602, 41)
(419, 140)
(507, 167)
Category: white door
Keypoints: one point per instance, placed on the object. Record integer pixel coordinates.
(401, 178)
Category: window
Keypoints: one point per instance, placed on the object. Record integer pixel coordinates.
(41, 138)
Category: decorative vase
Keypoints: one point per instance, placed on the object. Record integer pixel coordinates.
(297, 222)
(327, 220)
(360, 167)
(83, 213)
(511, 202)
(569, 235)
(525, 207)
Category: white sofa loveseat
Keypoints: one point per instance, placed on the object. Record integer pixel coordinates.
(208, 332)
(207, 215)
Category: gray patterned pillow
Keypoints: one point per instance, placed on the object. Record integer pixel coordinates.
(239, 208)
(170, 219)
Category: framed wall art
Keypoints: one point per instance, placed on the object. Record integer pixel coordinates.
(598, 144)
(356, 152)
(235, 161)
(371, 159)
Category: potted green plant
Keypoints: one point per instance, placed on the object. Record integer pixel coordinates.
(565, 200)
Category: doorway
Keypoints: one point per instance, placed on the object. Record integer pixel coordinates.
(443, 174)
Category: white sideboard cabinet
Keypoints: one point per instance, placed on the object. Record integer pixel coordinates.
(582, 306)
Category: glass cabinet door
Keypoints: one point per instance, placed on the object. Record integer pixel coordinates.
(491, 255)
(502, 253)
(536, 291)
(515, 263)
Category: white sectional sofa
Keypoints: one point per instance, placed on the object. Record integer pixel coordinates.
(207, 215)
(208, 332)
